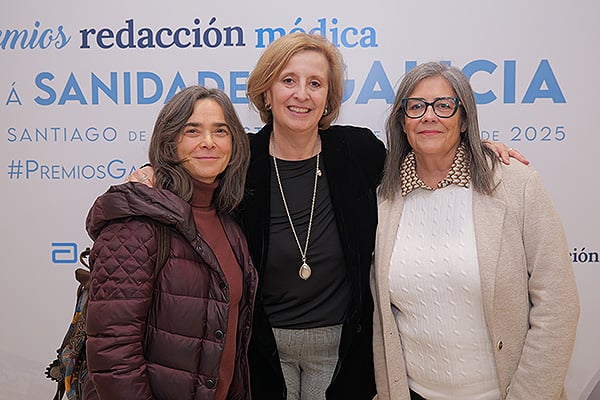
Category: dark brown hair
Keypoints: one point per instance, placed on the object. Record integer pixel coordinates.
(168, 168)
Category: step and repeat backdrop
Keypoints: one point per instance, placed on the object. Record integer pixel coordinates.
(81, 85)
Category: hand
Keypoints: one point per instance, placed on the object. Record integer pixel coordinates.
(505, 153)
(143, 175)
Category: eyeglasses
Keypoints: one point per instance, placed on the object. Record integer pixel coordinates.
(443, 107)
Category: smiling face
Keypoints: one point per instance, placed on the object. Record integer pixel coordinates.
(205, 142)
(299, 95)
(431, 135)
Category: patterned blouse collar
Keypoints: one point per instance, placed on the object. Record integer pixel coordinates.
(458, 173)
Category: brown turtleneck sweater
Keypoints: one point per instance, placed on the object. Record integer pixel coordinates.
(210, 228)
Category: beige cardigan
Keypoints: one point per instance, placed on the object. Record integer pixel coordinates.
(530, 299)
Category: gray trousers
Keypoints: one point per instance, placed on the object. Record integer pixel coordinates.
(308, 358)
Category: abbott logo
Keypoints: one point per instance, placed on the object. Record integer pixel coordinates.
(64, 253)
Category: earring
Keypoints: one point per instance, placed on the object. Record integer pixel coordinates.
(326, 111)
(268, 106)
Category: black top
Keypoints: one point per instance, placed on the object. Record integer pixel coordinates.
(322, 299)
(353, 158)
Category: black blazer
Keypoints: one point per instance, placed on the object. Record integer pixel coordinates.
(354, 159)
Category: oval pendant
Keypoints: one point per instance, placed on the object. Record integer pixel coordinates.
(304, 271)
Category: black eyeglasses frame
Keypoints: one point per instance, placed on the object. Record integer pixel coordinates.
(427, 104)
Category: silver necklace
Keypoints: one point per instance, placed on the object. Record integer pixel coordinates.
(304, 272)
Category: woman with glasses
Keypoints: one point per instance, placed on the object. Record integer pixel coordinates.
(474, 291)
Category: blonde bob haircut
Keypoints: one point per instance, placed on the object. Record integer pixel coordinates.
(275, 58)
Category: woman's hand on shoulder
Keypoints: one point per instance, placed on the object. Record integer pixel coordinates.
(143, 175)
(505, 153)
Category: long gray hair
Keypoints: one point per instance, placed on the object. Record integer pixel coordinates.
(483, 160)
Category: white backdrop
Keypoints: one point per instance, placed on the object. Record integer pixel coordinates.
(80, 89)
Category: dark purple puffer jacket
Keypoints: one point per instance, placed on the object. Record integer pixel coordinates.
(166, 346)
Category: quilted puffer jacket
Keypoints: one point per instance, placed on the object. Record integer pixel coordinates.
(167, 345)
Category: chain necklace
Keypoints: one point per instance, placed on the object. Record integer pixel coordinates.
(304, 272)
